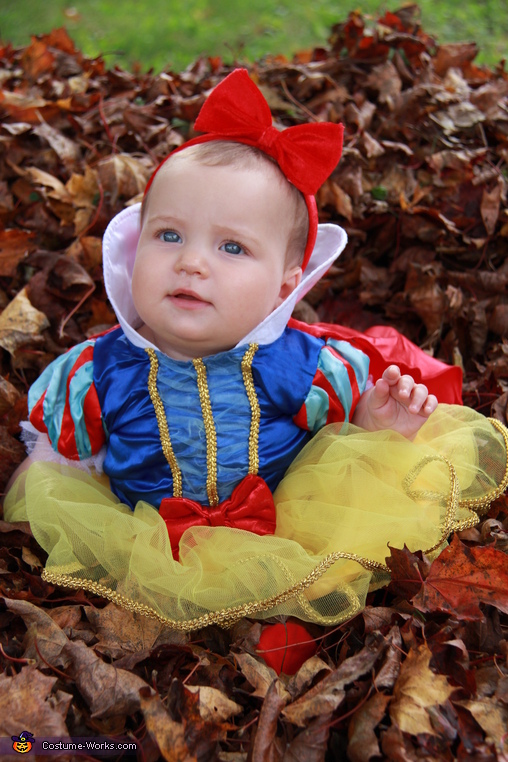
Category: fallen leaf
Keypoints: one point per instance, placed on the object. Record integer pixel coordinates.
(461, 577)
(390, 670)
(168, 734)
(329, 693)
(265, 747)
(408, 571)
(492, 716)
(45, 642)
(67, 150)
(306, 675)
(31, 559)
(107, 690)
(20, 323)
(122, 632)
(9, 395)
(417, 689)
(14, 246)
(363, 742)
(259, 675)
(311, 744)
(51, 185)
(490, 206)
(123, 176)
(27, 700)
(214, 706)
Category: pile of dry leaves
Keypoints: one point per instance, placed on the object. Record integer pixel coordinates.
(421, 190)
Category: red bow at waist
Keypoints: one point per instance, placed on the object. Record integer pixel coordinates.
(250, 507)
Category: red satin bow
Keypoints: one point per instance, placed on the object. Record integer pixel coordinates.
(250, 507)
(236, 110)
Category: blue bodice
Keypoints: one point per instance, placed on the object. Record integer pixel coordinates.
(272, 384)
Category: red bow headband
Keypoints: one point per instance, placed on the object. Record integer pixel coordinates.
(307, 154)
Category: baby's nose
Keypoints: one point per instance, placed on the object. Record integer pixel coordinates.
(192, 259)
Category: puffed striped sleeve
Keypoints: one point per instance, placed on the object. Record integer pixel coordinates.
(338, 384)
(63, 404)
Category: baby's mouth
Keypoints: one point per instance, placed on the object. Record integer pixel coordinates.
(187, 297)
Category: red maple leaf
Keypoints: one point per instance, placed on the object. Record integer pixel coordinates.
(462, 577)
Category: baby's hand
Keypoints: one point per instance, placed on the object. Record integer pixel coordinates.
(395, 402)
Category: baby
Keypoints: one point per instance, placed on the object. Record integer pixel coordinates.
(221, 247)
(226, 475)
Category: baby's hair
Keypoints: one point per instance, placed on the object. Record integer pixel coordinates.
(227, 153)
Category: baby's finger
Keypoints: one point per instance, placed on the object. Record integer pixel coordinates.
(380, 392)
(430, 405)
(419, 398)
(405, 387)
(392, 375)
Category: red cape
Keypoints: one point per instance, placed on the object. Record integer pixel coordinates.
(386, 346)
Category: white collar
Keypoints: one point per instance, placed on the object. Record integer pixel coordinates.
(119, 252)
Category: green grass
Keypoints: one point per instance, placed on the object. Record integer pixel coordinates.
(173, 33)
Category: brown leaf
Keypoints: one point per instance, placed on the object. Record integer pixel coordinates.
(311, 744)
(327, 695)
(14, 246)
(396, 746)
(9, 395)
(168, 734)
(123, 176)
(363, 743)
(66, 617)
(259, 675)
(386, 80)
(214, 705)
(408, 570)
(454, 54)
(377, 617)
(490, 206)
(45, 642)
(12, 453)
(107, 690)
(65, 149)
(122, 632)
(332, 194)
(49, 184)
(458, 117)
(20, 323)
(30, 559)
(83, 189)
(426, 296)
(27, 701)
(498, 320)
(389, 672)
(37, 59)
(417, 690)
(265, 747)
(492, 716)
(461, 577)
(306, 675)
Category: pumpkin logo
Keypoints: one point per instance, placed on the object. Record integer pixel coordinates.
(23, 743)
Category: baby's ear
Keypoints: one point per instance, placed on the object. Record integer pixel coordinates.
(290, 281)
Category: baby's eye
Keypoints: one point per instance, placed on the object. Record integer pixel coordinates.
(232, 248)
(169, 236)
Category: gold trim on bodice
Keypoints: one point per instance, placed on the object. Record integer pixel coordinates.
(209, 425)
(210, 433)
(254, 408)
(162, 423)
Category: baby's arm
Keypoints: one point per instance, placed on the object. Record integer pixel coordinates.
(396, 402)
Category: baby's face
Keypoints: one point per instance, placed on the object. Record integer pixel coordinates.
(211, 259)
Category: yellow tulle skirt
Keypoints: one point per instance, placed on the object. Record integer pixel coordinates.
(348, 496)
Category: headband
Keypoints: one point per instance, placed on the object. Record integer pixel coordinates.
(306, 154)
